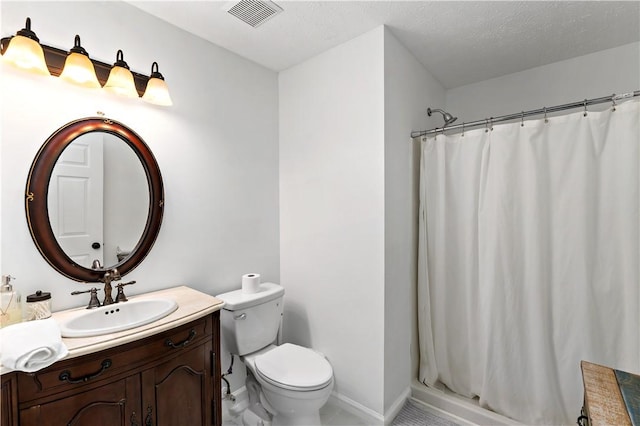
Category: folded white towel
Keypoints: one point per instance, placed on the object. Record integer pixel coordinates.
(32, 345)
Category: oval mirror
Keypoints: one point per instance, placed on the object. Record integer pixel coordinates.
(94, 197)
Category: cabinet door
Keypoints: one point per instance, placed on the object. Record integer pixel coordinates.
(178, 392)
(116, 403)
(9, 405)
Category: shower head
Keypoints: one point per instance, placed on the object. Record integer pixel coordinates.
(448, 118)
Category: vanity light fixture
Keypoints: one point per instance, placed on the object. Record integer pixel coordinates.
(24, 51)
(157, 91)
(120, 79)
(78, 68)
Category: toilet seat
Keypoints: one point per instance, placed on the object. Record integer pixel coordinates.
(294, 367)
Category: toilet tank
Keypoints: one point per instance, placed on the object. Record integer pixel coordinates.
(250, 321)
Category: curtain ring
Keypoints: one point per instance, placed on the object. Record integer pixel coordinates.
(491, 123)
(546, 120)
(486, 125)
(463, 129)
(613, 102)
(585, 108)
(522, 120)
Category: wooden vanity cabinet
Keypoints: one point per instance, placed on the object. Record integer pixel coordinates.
(178, 390)
(172, 378)
(114, 403)
(9, 400)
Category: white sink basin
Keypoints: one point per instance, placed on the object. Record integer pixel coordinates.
(117, 317)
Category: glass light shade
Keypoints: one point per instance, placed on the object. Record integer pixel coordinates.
(157, 92)
(27, 54)
(78, 69)
(120, 81)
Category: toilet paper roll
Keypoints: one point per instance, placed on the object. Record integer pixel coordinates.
(251, 283)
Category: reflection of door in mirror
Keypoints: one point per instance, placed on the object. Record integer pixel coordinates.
(75, 200)
(98, 199)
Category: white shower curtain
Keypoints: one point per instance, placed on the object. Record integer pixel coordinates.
(529, 260)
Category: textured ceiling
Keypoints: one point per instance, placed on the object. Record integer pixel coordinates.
(459, 42)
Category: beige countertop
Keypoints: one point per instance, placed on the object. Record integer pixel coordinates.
(192, 304)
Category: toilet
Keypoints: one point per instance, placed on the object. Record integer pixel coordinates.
(287, 384)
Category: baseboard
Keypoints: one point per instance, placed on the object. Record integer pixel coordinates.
(371, 417)
(240, 393)
(397, 405)
(234, 406)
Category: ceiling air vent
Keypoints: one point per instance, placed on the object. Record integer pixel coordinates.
(253, 12)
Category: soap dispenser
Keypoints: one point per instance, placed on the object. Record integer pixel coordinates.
(10, 307)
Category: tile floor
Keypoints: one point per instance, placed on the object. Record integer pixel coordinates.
(333, 415)
(330, 415)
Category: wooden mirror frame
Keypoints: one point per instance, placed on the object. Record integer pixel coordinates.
(36, 197)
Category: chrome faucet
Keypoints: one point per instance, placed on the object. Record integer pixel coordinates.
(109, 277)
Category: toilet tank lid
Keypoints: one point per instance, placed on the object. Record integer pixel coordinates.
(236, 299)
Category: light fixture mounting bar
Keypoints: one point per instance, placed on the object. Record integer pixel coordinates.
(55, 58)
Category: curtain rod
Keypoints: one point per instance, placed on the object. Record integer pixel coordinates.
(521, 115)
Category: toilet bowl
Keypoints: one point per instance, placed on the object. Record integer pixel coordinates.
(290, 382)
(295, 382)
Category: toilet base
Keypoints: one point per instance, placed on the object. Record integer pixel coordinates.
(261, 406)
(252, 417)
(294, 409)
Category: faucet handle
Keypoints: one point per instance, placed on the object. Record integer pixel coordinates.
(120, 297)
(94, 302)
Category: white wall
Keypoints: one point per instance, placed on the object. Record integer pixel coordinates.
(408, 90)
(332, 211)
(599, 74)
(217, 148)
(348, 210)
